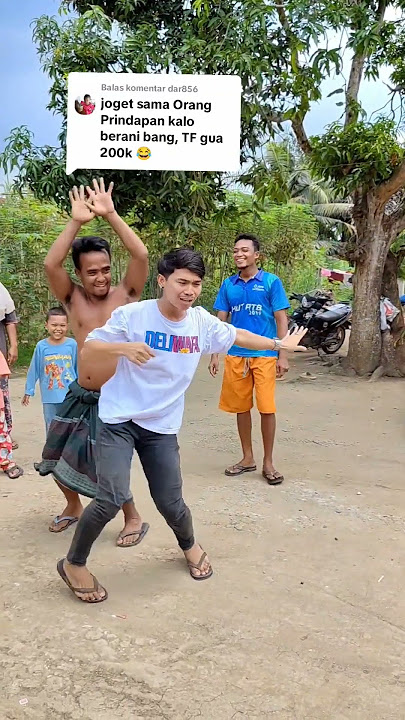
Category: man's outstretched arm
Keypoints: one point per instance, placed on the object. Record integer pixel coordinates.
(60, 282)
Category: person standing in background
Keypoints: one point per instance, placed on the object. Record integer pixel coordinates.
(9, 348)
(254, 300)
(7, 464)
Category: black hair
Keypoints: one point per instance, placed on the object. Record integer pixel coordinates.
(57, 310)
(249, 236)
(86, 244)
(87, 95)
(181, 259)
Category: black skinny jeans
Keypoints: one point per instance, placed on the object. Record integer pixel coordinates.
(159, 455)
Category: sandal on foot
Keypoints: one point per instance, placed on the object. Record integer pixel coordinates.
(238, 469)
(273, 478)
(14, 445)
(96, 587)
(140, 533)
(199, 565)
(14, 471)
(69, 519)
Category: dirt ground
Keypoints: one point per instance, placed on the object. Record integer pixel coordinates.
(305, 615)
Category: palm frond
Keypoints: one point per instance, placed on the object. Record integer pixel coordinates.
(333, 210)
(335, 222)
(279, 161)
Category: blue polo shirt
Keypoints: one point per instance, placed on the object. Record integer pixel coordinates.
(252, 305)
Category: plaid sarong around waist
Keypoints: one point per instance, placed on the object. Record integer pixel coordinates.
(69, 451)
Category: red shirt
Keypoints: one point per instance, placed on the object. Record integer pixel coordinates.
(87, 109)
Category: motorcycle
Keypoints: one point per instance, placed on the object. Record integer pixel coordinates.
(325, 320)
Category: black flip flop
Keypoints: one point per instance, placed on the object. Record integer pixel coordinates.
(240, 469)
(141, 534)
(96, 587)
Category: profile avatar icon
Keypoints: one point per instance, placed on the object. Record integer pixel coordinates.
(143, 153)
(85, 106)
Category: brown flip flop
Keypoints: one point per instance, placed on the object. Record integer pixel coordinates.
(239, 470)
(273, 478)
(96, 587)
(198, 566)
(140, 533)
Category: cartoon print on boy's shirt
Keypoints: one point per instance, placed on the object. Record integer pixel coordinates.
(59, 375)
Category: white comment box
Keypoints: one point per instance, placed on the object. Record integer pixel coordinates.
(135, 121)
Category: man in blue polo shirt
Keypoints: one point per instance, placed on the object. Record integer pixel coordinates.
(254, 300)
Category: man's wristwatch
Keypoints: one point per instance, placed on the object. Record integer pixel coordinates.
(277, 344)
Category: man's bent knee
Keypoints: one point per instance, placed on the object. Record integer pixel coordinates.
(105, 510)
(175, 513)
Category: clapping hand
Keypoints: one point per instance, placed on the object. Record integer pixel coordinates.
(100, 200)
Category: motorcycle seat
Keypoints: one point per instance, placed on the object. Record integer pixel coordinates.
(335, 312)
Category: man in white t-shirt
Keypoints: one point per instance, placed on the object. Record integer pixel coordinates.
(159, 344)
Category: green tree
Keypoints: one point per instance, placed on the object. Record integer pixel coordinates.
(284, 176)
(287, 232)
(27, 228)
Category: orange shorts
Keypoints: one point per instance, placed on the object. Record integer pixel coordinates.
(241, 375)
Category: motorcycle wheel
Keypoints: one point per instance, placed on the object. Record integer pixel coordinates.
(334, 341)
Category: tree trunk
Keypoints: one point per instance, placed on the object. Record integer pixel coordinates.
(373, 241)
(393, 346)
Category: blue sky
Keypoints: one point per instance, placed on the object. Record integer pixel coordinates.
(25, 87)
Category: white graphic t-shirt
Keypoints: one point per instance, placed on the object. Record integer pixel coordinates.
(152, 395)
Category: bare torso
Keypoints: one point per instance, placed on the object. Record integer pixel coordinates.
(84, 316)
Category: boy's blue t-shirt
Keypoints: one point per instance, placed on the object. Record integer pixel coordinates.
(252, 305)
(55, 366)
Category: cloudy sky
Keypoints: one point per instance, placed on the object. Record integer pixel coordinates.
(24, 86)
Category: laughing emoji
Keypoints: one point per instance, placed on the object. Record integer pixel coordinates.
(143, 153)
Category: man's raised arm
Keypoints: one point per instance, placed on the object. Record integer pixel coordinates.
(138, 266)
(101, 203)
(60, 282)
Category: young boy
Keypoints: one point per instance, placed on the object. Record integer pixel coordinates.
(158, 344)
(54, 364)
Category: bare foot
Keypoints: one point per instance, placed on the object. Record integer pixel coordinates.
(81, 577)
(132, 532)
(198, 562)
(71, 511)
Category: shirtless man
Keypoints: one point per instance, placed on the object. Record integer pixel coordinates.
(69, 452)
